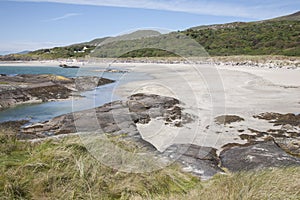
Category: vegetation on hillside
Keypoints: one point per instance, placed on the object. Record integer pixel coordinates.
(168, 45)
(279, 36)
(257, 38)
(74, 51)
(64, 169)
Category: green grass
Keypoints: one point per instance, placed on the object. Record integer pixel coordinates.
(64, 169)
(267, 184)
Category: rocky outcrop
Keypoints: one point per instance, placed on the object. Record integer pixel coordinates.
(256, 156)
(119, 117)
(201, 161)
(29, 88)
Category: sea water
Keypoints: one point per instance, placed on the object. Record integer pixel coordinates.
(91, 99)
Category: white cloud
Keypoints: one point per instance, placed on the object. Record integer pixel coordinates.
(212, 7)
(68, 15)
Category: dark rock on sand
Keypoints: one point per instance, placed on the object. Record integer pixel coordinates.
(228, 119)
(256, 156)
(280, 119)
(287, 138)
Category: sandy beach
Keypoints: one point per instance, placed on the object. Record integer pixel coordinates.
(207, 92)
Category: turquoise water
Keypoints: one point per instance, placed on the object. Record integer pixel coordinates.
(48, 110)
(13, 70)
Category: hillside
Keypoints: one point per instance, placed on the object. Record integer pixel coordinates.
(255, 38)
(278, 36)
(79, 50)
(294, 16)
(272, 37)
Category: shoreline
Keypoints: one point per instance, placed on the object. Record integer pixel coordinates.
(264, 61)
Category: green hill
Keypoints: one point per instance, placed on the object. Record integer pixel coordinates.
(272, 37)
(278, 36)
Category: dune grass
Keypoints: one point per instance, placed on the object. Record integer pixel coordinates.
(267, 184)
(64, 169)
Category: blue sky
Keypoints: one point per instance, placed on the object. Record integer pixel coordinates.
(33, 24)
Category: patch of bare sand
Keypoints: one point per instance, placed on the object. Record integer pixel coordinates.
(208, 92)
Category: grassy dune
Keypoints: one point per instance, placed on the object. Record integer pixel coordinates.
(64, 169)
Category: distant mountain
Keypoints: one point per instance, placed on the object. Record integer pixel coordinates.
(5, 52)
(140, 34)
(23, 52)
(278, 36)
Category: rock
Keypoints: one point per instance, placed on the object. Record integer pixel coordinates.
(287, 127)
(289, 145)
(113, 117)
(201, 161)
(30, 88)
(228, 119)
(14, 126)
(116, 71)
(256, 156)
(89, 83)
(68, 66)
(280, 119)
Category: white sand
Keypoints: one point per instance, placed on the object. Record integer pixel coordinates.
(208, 92)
